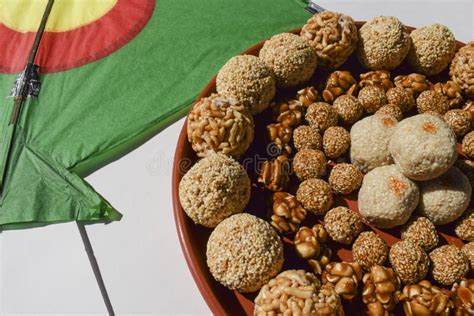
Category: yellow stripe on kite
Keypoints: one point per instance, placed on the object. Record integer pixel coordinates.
(25, 15)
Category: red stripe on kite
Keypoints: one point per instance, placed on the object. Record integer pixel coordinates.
(60, 51)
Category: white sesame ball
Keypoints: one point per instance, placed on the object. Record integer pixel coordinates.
(387, 198)
(423, 147)
(213, 189)
(383, 43)
(444, 199)
(291, 58)
(369, 141)
(432, 49)
(244, 252)
(249, 80)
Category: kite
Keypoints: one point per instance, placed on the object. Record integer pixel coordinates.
(113, 74)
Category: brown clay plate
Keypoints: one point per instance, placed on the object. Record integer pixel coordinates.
(193, 238)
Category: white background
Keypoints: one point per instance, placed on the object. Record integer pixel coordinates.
(46, 271)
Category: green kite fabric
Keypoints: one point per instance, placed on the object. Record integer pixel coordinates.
(91, 115)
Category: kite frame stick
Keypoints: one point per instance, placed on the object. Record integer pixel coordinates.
(95, 267)
(20, 100)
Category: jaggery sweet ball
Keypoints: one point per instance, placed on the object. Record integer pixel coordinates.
(321, 115)
(465, 226)
(291, 58)
(409, 261)
(333, 35)
(369, 142)
(387, 198)
(468, 251)
(219, 124)
(383, 43)
(444, 199)
(423, 147)
(372, 98)
(401, 97)
(342, 225)
(348, 108)
(309, 163)
(432, 49)
(306, 137)
(244, 252)
(345, 178)
(468, 145)
(462, 69)
(459, 121)
(249, 80)
(422, 232)
(336, 141)
(369, 250)
(448, 264)
(392, 110)
(432, 100)
(315, 195)
(213, 189)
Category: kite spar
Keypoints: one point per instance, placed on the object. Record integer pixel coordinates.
(26, 85)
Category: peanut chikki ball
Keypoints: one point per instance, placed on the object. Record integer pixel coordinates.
(309, 163)
(345, 178)
(448, 264)
(321, 116)
(423, 147)
(459, 121)
(432, 100)
(380, 78)
(333, 35)
(213, 189)
(444, 199)
(296, 292)
(462, 69)
(342, 225)
(369, 250)
(432, 49)
(315, 195)
(410, 261)
(339, 82)
(384, 43)
(451, 91)
(218, 124)
(414, 83)
(369, 142)
(249, 80)
(348, 108)
(372, 98)
(401, 98)
(387, 198)
(244, 252)
(291, 58)
(336, 141)
(306, 137)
